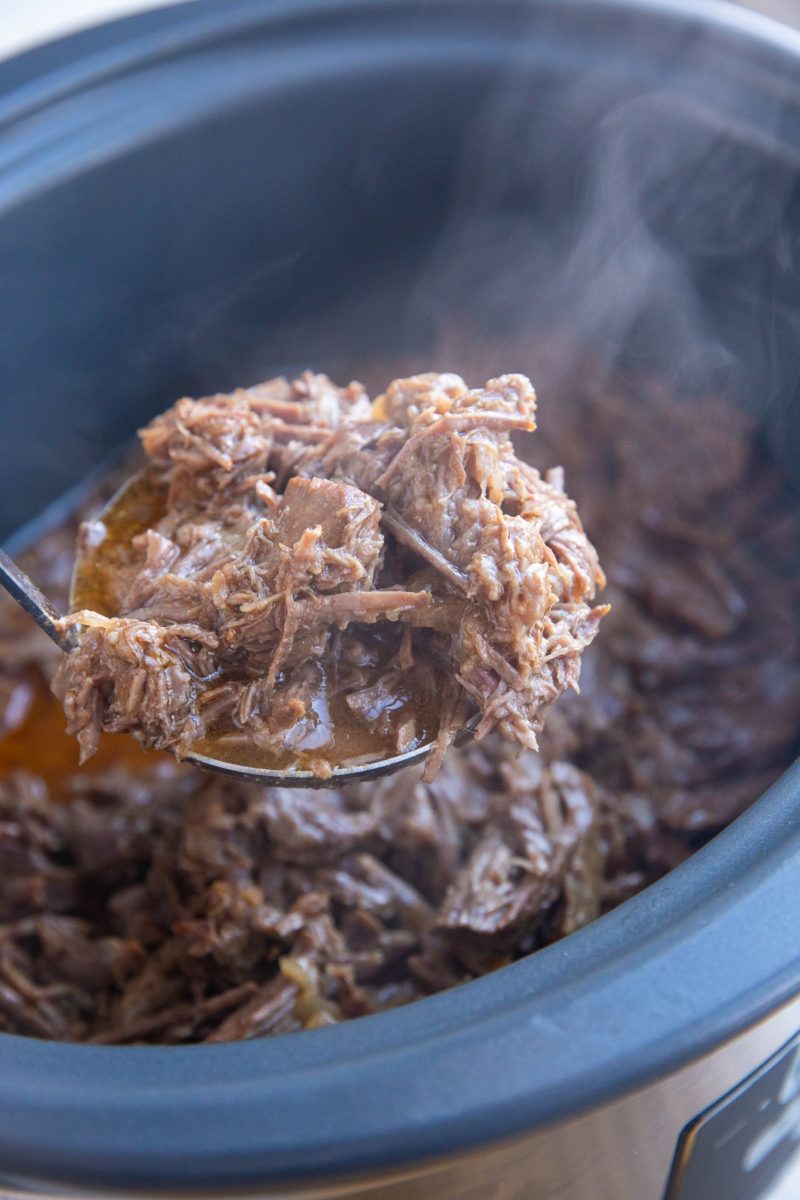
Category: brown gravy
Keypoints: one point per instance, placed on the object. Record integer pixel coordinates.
(342, 739)
(138, 505)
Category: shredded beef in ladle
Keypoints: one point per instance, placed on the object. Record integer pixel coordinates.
(324, 568)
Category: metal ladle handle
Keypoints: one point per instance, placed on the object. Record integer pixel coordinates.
(32, 599)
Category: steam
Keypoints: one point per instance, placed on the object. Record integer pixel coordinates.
(648, 230)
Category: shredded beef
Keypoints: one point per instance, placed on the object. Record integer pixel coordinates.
(143, 901)
(182, 907)
(292, 516)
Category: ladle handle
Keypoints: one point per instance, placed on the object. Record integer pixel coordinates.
(34, 601)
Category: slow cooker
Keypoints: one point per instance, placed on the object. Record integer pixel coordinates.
(208, 194)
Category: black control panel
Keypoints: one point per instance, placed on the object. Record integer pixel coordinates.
(736, 1148)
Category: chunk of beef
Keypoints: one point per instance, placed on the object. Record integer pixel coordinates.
(335, 529)
(356, 453)
(307, 826)
(208, 447)
(222, 444)
(133, 677)
(271, 1010)
(519, 865)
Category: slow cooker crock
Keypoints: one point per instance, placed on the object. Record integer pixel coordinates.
(186, 199)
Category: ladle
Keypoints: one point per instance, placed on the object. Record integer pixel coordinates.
(33, 600)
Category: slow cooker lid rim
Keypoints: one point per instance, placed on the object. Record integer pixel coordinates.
(44, 73)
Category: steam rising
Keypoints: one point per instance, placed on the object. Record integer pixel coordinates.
(650, 231)
(611, 212)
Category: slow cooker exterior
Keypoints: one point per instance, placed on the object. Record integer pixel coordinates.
(183, 195)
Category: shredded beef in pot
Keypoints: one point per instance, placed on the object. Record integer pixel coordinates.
(297, 514)
(143, 901)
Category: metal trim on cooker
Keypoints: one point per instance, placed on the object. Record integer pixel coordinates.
(577, 1024)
